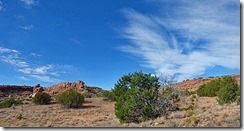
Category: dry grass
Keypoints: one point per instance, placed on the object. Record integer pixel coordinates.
(99, 113)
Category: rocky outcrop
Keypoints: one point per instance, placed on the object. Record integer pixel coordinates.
(37, 88)
(54, 90)
(15, 91)
(192, 85)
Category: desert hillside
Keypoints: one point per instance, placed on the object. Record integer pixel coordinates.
(99, 113)
(18, 91)
(194, 111)
(192, 85)
(22, 92)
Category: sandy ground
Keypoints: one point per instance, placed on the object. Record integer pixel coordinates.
(99, 113)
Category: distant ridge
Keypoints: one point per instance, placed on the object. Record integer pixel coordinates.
(18, 91)
(192, 85)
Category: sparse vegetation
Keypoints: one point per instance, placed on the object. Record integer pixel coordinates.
(9, 102)
(42, 98)
(109, 95)
(20, 116)
(192, 120)
(172, 108)
(70, 99)
(210, 89)
(226, 89)
(87, 95)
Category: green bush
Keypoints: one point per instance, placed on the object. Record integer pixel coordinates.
(210, 89)
(87, 95)
(9, 102)
(136, 105)
(20, 116)
(172, 94)
(108, 95)
(186, 93)
(70, 99)
(225, 88)
(42, 98)
(136, 95)
(138, 99)
(229, 92)
(135, 80)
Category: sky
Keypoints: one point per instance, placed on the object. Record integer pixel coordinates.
(98, 41)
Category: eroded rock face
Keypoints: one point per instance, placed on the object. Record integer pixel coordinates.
(54, 90)
(192, 85)
(15, 91)
(37, 88)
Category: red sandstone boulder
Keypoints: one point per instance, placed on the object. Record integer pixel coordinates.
(37, 88)
(61, 87)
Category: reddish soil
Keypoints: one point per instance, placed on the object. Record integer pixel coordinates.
(99, 113)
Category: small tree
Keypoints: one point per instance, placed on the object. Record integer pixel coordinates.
(136, 105)
(136, 95)
(70, 99)
(138, 98)
(229, 91)
(42, 98)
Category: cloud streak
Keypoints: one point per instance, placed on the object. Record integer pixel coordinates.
(44, 73)
(29, 3)
(1, 6)
(190, 38)
(27, 28)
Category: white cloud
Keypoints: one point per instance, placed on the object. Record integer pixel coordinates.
(35, 54)
(193, 37)
(1, 6)
(28, 27)
(6, 50)
(23, 78)
(75, 41)
(44, 73)
(30, 2)
(42, 70)
(45, 78)
(11, 56)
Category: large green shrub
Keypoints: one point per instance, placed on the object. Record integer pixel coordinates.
(70, 99)
(225, 88)
(135, 80)
(9, 102)
(109, 95)
(138, 99)
(42, 98)
(229, 91)
(136, 96)
(210, 89)
(136, 105)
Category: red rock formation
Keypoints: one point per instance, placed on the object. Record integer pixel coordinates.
(37, 88)
(61, 87)
(192, 85)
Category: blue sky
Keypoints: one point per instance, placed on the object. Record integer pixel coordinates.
(52, 41)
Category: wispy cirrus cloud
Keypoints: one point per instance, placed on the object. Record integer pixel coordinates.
(27, 28)
(12, 57)
(29, 3)
(187, 39)
(75, 41)
(35, 54)
(44, 73)
(1, 6)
